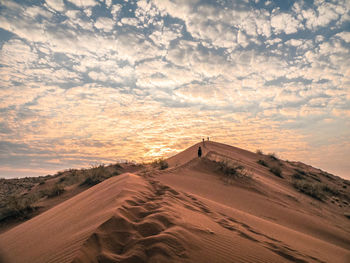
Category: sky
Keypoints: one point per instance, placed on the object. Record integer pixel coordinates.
(88, 82)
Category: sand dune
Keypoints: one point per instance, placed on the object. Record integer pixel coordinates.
(186, 213)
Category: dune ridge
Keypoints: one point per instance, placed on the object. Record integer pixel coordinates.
(186, 213)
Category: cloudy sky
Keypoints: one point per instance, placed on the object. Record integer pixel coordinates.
(87, 81)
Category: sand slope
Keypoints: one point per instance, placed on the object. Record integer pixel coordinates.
(186, 213)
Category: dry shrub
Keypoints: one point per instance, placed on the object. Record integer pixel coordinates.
(260, 152)
(312, 189)
(329, 189)
(17, 207)
(161, 163)
(95, 175)
(232, 169)
(55, 190)
(262, 162)
(298, 176)
(276, 170)
(273, 156)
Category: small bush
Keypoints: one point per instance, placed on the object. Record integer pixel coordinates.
(91, 181)
(260, 152)
(117, 166)
(17, 207)
(330, 190)
(276, 170)
(300, 171)
(297, 176)
(62, 179)
(311, 189)
(232, 170)
(315, 177)
(262, 162)
(95, 175)
(273, 156)
(161, 163)
(56, 190)
(229, 169)
(328, 175)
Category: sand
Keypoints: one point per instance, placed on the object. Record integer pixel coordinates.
(186, 213)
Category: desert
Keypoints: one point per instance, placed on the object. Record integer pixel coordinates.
(226, 206)
(194, 131)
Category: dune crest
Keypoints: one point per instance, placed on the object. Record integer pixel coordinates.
(143, 229)
(190, 212)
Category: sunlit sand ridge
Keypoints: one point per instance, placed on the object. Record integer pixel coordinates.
(230, 205)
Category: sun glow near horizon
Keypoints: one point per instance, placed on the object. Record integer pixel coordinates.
(102, 81)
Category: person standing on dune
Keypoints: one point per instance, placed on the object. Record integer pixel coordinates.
(199, 152)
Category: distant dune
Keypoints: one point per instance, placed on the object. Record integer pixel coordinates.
(230, 205)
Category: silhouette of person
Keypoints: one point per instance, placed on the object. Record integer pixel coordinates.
(208, 138)
(199, 152)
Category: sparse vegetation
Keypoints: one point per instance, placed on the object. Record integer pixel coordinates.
(329, 189)
(95, 175)
(229, 169)
(17, 207)
(298, 176)
(161, 163)
(273, 156)
(91, 180)
(273, 163)
(301, 172)
(276, 170)
(262, 162)
(18, 196)
(56, 190)
(316, 190)
(312, 189)
(232, 169)
(260, 152)
(328, 175)
(62, 179)
(314, 177)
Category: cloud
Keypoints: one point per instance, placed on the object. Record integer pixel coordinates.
(104, 23)
(16, 53)
(115, 10)
(294, 42)
(345, 36)
(78, 77)
(5, 129)
(83, 3)
(284, 22)
(129, 21)
(109, 3)
(57, 5)
(164, 36)
(324, 14)
(141, 48)
(242, 39)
